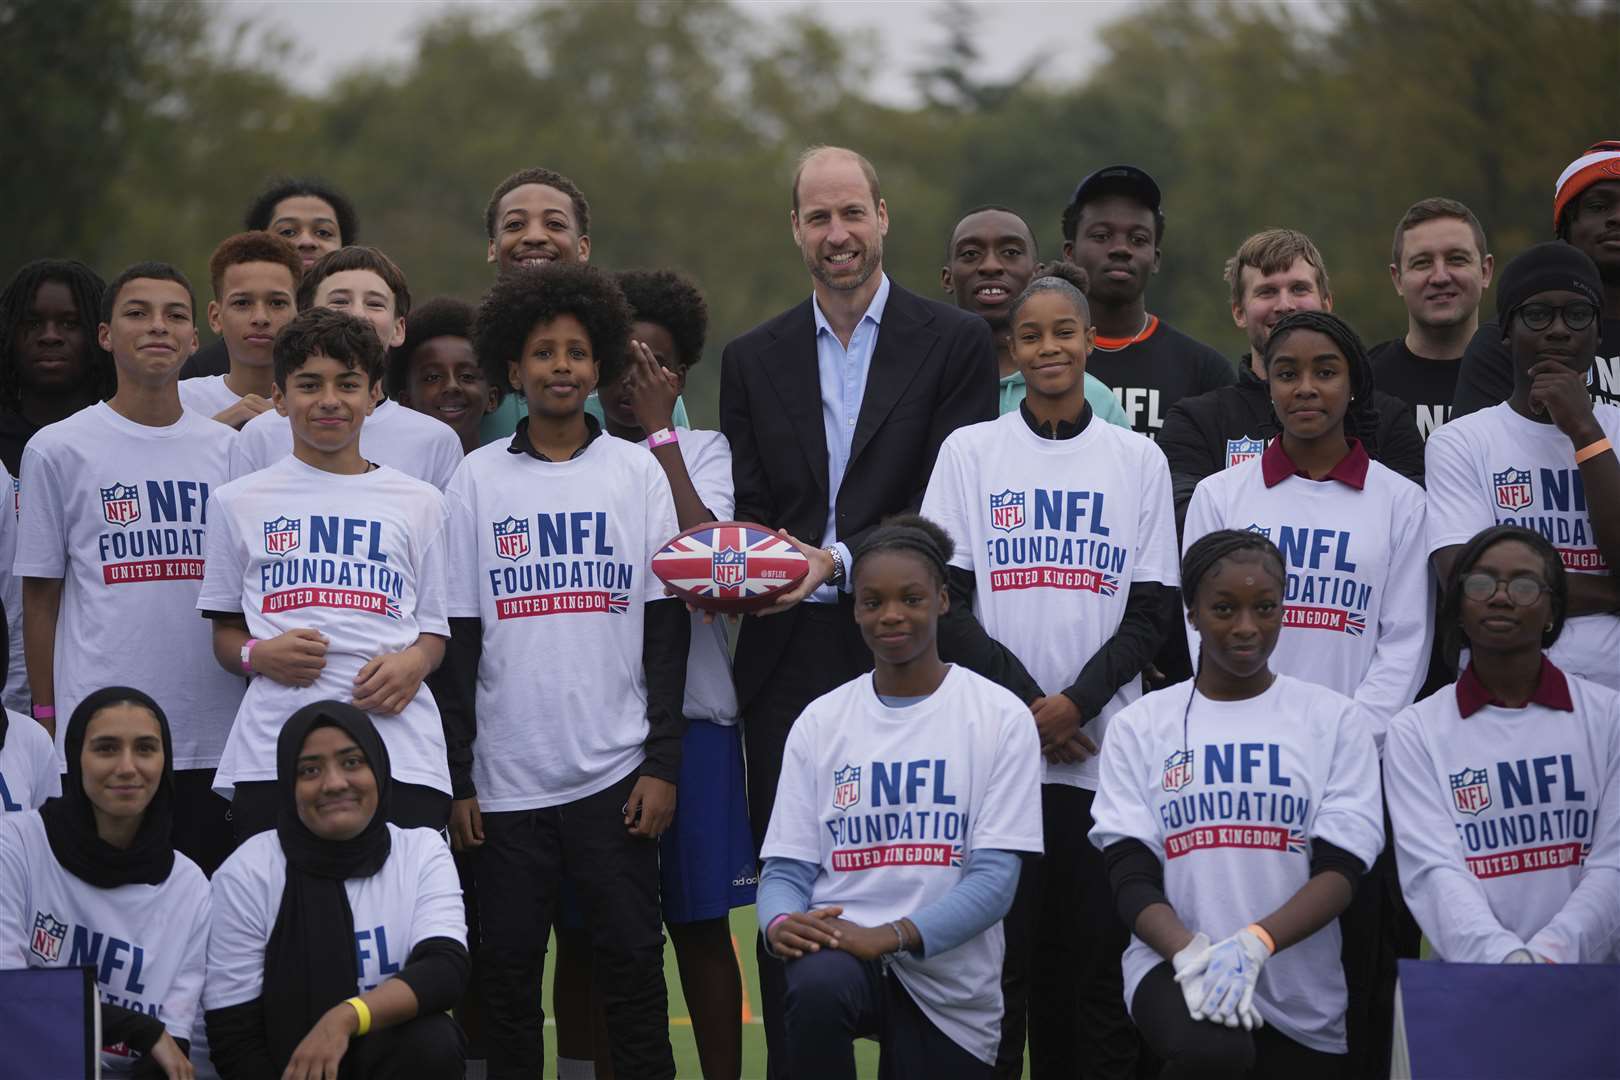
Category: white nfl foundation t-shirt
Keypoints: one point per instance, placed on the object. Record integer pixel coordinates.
(16, 696)
(1495, 467)
(415, 896)
(28, 774)
(890, 802)
(1357, 614)
(555, 558)
(1507, 825)
(147, 943)
(1055, 532)
(415, 444)
(118, 510)
(359, 558)
(208, 395)
(1231, 804)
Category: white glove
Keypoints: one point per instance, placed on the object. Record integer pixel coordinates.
(1230, 974)
(1189, 966)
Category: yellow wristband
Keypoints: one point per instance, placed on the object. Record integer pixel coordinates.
(1265, 938)
(1592, 450)
(363, 1011)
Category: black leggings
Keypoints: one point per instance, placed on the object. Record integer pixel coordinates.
(1201, 1050)
(429, 1047)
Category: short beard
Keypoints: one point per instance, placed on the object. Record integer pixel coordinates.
(867, 265)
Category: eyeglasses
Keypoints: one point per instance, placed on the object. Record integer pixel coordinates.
(1539, 316)
(1521, 591)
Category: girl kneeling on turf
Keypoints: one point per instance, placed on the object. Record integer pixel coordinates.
(1503, 787)
(892, 854)
(338, 938)
(1239, 808)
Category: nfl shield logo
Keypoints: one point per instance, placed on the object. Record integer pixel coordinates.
(511, 538)
(730, 567)
(1178, 770)
(1240, 450)
(120, 504)
(1263, 530)
(1513, 490)
(1007, 510)
(46, 942)
(282, 535)
(1471, 790)
(846, 787)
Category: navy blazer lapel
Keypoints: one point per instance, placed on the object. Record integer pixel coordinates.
(905, 337)
(790, 365)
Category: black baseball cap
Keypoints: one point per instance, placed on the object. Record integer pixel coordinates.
(1119, 180)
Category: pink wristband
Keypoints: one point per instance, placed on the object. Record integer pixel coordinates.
(44, 712)
(662, 437)
(772, 925)
(247, 654)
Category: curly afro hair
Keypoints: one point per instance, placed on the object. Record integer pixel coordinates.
(443, 316)
(673, 301)
(523, 299)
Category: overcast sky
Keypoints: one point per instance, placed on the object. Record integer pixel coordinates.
(335, 34)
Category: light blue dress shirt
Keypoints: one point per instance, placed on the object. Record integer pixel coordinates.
(843, 385)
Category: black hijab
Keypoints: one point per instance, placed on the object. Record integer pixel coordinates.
(70, 820)
(309, 962)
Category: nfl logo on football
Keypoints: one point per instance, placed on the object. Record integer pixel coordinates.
(282, 535)
(1513, 490)
(846, 787)
(511, 538)
(730, 567)
(1240, 450)
(1471, 790)
(49, 934)
(1178, 770)
(120, 504)
(1007, 510)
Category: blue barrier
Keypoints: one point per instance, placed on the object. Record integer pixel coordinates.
(49, 1024)
(1507, 1021)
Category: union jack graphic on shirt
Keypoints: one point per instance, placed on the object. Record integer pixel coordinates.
(1296, 841)
(721, 563)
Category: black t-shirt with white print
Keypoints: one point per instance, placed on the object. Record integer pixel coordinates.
(1427, 385)
(1155, 370)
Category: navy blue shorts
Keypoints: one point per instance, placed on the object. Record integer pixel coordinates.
(706, 858)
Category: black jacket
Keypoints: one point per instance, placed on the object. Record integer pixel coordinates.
(1201, 434)
(933, 370)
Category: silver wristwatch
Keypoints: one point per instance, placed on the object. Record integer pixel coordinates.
(839, 570)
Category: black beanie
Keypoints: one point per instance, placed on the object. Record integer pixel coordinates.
(1543, 268)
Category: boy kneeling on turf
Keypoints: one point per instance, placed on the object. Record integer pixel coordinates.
(567, 669)
(325, 579)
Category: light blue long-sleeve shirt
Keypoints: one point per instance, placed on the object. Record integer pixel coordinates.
(843, 371)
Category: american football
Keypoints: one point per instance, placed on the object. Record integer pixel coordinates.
(729, 566)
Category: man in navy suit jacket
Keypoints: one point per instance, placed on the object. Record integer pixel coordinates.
(835, 411)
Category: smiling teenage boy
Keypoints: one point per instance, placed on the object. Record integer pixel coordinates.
(991, 257)
(436, 371)
(255, 276)
(569, 669)
(325, 579)
(308, 213)
(363, 282)
(110, 547)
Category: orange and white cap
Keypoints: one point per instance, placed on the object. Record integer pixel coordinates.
(1599, 162)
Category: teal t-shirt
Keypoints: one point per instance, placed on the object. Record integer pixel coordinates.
(499, 425)
(1103, 402)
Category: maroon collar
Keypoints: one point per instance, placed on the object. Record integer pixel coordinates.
(1552, 690)
(1276, 466)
